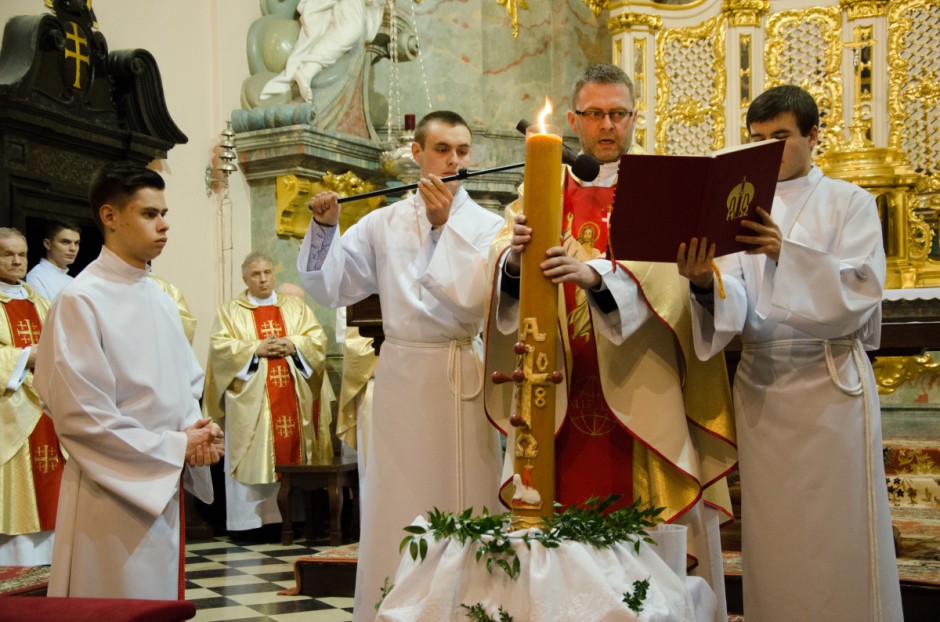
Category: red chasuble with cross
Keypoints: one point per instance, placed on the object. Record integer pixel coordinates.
(281, 391)
(46, 458)
(593, 450)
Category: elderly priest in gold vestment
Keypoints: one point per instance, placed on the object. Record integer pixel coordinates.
(265, 369)
(31, 462)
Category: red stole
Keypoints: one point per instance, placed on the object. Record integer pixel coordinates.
(47, 460)
(593, 450)
(281, 392)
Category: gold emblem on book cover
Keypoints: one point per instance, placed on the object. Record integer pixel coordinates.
(739, 200)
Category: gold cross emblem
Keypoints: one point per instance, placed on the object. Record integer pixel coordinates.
(281, 377)
(27, 331)
(285, 427)
(46, 459)
(271, 329)
(76, 53)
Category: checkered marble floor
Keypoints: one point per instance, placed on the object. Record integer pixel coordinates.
(239, 581)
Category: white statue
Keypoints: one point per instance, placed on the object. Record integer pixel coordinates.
(329, 29)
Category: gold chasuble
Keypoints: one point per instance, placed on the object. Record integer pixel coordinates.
(273, 417)
(643, 419)
(187, 319)
(31, 461)
(359, 362)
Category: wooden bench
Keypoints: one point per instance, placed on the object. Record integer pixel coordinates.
(334, 475)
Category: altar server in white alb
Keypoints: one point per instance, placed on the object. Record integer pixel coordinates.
(61, 241)
(816, 529)
(426, 258)
(122, 385)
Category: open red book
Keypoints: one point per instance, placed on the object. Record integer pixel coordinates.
(661, 200)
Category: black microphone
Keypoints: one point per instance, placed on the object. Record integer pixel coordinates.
(583, 166)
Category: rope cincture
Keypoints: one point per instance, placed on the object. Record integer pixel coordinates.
(862, 389)
(454, 381)
(859, 358)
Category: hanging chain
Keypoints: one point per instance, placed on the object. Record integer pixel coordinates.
(424, 75)
(394, 79)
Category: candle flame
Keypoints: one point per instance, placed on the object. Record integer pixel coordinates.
(547, 110)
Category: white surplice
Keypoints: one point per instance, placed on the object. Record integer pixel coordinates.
(807, 412)
(120, 381)
(432, 298)
(48, 279)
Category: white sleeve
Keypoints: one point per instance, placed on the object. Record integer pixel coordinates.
(19, 372)
(712, 332)
(507, 307)
(348, 273)
(77, 385)
(830, 284)
(632, 310)
(457, 274)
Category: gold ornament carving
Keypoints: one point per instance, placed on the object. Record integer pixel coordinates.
(920, 237)
(512, 7)
(744, 12)
(596, 6)
(625, 22)
(673, 110)
(293, 193)
(885, 173)
(745, 76)
(893, 371)
(859, 9)
(914, 90)
(862, 48)
(517, 522)
(787, 55)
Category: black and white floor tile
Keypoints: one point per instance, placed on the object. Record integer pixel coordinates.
(229, 580)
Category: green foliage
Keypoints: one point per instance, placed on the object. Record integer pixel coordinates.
(477, 613)
(635, 601)
(585, 523)
(387, 587)
(588, 524)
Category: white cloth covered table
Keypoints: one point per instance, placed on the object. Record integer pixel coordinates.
(912, 293)
(574, 582)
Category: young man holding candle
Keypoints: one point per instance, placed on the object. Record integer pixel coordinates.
(807, 304)
(637, 414)
(425, 257)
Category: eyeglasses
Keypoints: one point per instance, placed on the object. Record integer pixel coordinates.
(596, 116)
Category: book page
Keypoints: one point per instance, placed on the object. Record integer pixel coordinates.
(734, 148)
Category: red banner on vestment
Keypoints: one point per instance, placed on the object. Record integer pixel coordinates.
(282, 395)
(46, 458)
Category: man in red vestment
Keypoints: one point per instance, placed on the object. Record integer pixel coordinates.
(31, 462)
(638, 416)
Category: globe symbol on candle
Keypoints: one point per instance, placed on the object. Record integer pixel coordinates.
(590, 415)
